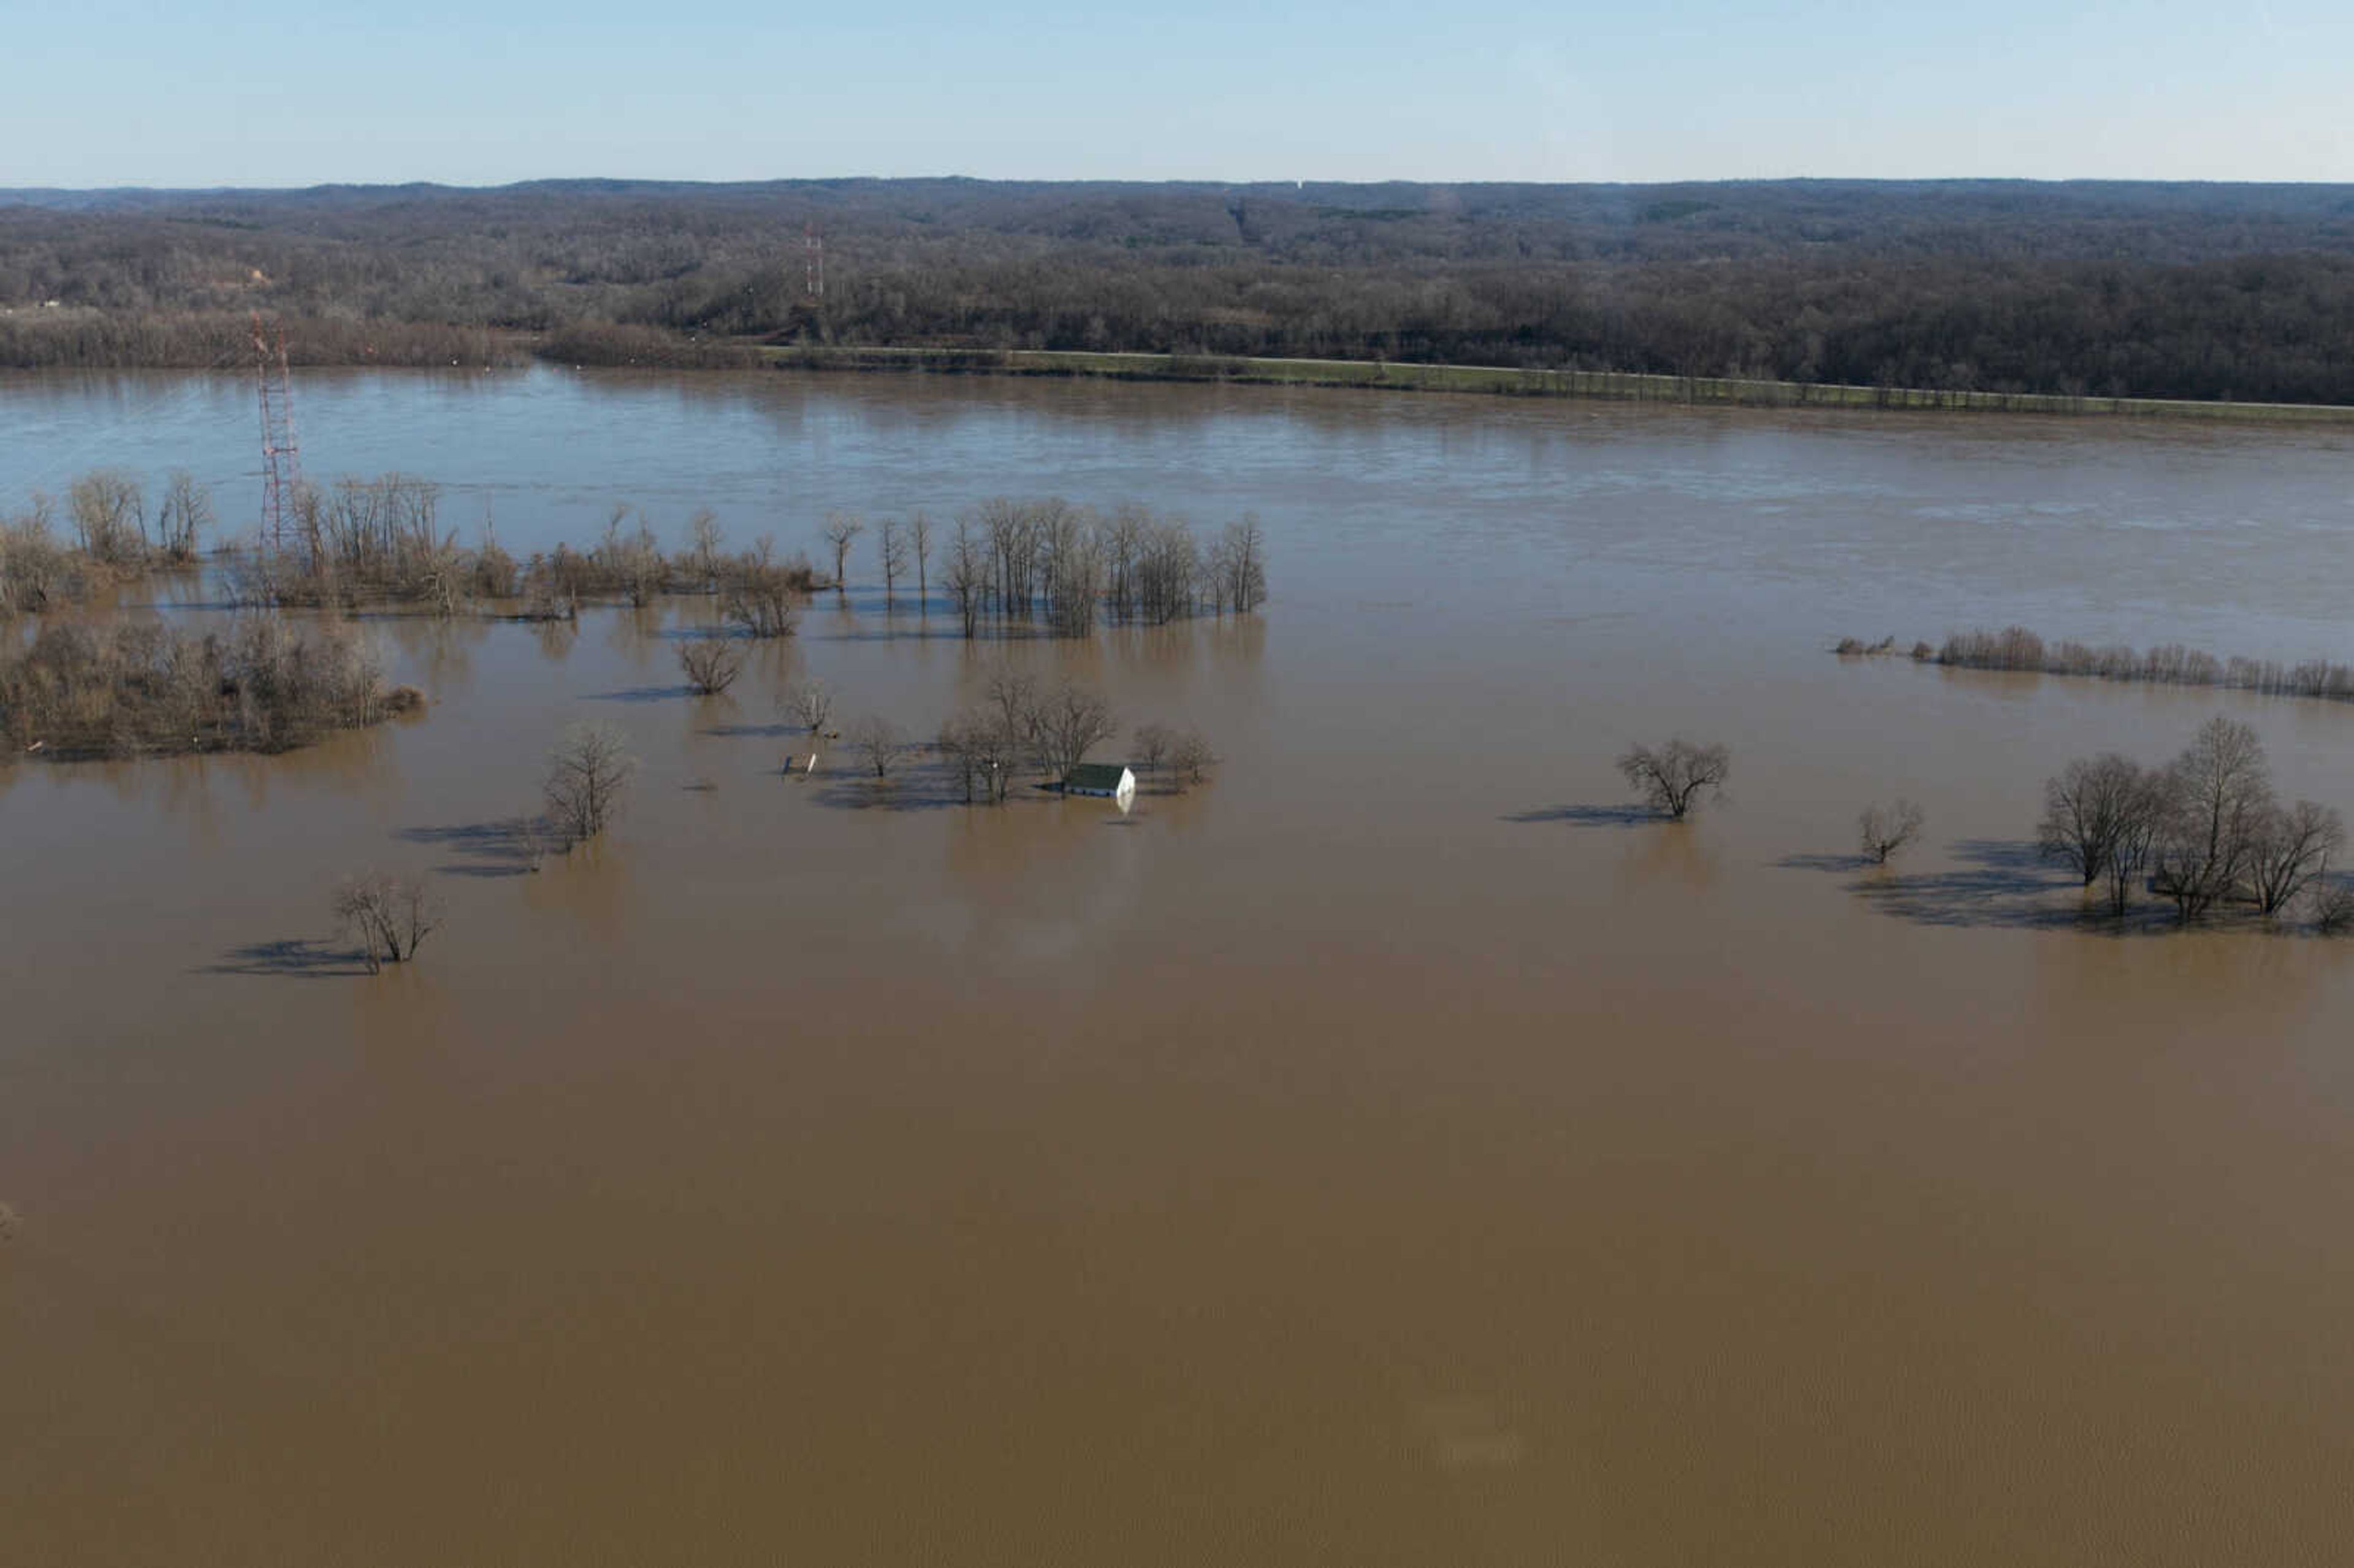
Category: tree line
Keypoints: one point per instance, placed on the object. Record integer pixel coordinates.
(2148, 290)
(2017, 650)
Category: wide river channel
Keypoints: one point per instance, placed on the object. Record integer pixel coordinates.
(1392, 1150)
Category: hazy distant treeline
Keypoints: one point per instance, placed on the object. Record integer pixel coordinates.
(2098, 288)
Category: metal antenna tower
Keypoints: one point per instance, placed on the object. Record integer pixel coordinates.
(282, 463)
(813, 261)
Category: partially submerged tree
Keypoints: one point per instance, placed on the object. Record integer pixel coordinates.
(186, 513)
(2218, 794)
(2290, 850)
(966, 579)
(710, 663)
(2136, 835)
(1152, 744)
(919, 536)
(1883, 831)
(893, 541)
(984, 753)
(703, 560)
(588, 779)
(1242, 558)
(878, 743)
(809, 705)
(1014, 694)
(841, 528)
(1066, 724)
(761, 596)
(1677, 776)
(109, 516)
(2085, 806)
(2333, 904)
(389, 917)
(1189, 758)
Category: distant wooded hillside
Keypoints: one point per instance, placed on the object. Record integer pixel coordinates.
(2146, 290)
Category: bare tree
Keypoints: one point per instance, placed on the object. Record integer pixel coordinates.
(188, 512)
(967, 580)
(760, 596)
(2218, 792)
(1152, 743)
(110, 516)
(1189, 758)
(703, 558)
(1886, 830)
(389, 917)
(2085, 806)
(2333, 904)
(809, 705)
(1014, 694)
(1066, 722)
(588, 779)
(1676, 777)
(984, 753)
(878, 742)
(1122, 535)
(920, 535)
(710, 663)
(1244, 559)
(893, 542)
(2134, 836)
(2290, 850)
(984, 750)
(841, 528)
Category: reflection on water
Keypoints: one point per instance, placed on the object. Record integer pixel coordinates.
(1394, 1151)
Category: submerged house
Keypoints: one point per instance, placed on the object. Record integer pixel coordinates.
(1112, 780)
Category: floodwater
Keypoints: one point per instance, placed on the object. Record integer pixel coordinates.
(1384, 1153)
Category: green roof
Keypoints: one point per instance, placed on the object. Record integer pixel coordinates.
(1093, 776)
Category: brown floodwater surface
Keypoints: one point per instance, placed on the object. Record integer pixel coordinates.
(1388, 1152)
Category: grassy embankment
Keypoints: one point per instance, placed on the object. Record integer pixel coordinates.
(1503, 381)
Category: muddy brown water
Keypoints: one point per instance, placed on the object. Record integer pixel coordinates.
(1386, 1153)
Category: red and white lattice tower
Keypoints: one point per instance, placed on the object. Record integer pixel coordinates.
(282, 463)
(813, 261)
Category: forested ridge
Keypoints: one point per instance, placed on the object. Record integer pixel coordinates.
(2104, 288)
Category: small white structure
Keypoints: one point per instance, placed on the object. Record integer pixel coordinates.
(1111, 780)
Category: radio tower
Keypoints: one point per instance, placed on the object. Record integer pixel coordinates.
(281, 464)
(813, 261)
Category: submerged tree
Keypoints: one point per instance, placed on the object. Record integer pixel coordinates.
(761, 596)
(588, 779)
(893, 545)
(389, 917)
(1066, 724)
(710, 664)
(878, 743)
(2085, 806)
(1883, 831)
(1189, 757)
(967, 580)
(1675, 778)
(841, 528)
(920, 538)
(809, 705)
(186, 513)
(2290, 850)
(1152, 743)
(2218, 795)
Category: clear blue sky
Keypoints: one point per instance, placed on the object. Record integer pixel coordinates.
(188, 93)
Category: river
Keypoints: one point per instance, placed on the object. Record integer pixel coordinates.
(1386, 1152)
